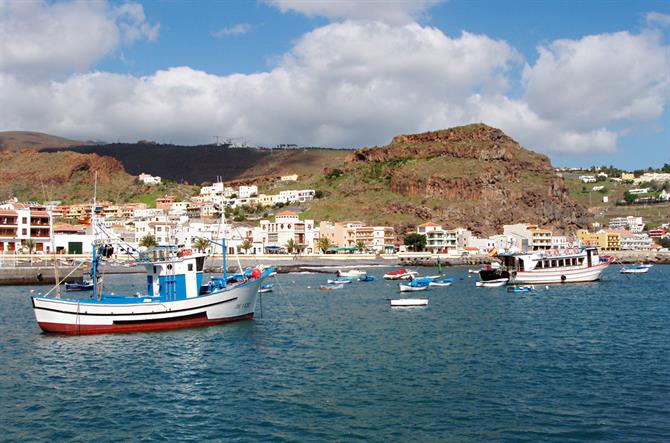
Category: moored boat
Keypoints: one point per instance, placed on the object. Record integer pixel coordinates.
(264, 289)
(339, 281)
(353, 273)
(400, 274)
(366, 278)
(441, 282)
(413, 286)
(637, 269)
(408, 302)
(330, 287)
(84, 285)
(492, 283)
(552, 266)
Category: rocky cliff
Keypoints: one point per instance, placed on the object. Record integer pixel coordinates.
(473, 176)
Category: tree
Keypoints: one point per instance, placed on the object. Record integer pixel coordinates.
(246, 245)
(148, 241)
(664, 242)
(630, 198)
(30, 244)
(291, 246)
(323, 243)
(318, 193)
(361, 245)
(201, 244)
(415, 242)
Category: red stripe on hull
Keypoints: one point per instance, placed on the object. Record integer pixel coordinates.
(61, 328)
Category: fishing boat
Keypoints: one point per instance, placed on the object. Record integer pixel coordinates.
(83, 285)
(551, 266)
(353, 273)
(174, 297)
(265, 288)
(492, 283)
(636, 269)
(400, 274)
(442, 282)
(413, 286)
(408, 302)
(330, 287)
(366, 278)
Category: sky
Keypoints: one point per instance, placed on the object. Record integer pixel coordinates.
(585, 82)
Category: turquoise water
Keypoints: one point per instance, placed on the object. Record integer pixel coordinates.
(573, 363)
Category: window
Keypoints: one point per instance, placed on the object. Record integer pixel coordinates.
(190, 266)
(24, 220)
(24, 231)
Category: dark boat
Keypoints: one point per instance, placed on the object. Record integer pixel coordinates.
(84, 285)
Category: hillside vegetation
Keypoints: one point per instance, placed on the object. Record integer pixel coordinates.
(473, 176)
(69, 177)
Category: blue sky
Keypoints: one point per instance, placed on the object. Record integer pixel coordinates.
(345, 73)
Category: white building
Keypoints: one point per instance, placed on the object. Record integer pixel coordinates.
(289, 178)
(639, 191)
(659, 177)
(635, 242)
(149, 179)
(288, 226)
(296, 196)
(19, 224)
(532, 237)
(633, 224)
(247, 191)
(587, 179)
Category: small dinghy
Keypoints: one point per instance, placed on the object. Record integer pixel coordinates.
(367, 278)
(330, 287)
(637, 269)
(353, 273)
(413, 286)
(84, 285)
(339, 281)
(408, 302)
(442, 282)
(492, 283)
(265, 288)
(521, 288)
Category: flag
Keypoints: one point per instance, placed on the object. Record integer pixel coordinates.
(493, 252)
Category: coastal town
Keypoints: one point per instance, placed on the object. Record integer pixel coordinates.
(257, 224)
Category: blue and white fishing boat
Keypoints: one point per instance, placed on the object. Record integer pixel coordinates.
(174, 298)
(415, 285)
(367, 277)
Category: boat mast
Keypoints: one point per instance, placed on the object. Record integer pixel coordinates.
(222, 234)
(94, 261)
(53, 250)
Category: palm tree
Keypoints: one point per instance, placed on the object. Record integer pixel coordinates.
(30, 244)
(323, 243)
(246, 245)
(148, 241)
(291, 246)
(201, 244)
(361, 246)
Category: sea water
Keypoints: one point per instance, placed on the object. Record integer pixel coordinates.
(588, 362)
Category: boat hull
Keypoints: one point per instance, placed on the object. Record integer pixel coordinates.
(408, 302)
(567, 275)
(87, 317)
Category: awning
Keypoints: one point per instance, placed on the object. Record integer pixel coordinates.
(273, 248)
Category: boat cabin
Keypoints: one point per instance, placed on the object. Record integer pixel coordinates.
(173, 274)
(584, 257)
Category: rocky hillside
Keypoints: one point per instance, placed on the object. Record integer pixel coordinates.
(15, 140)
(473, 176)
(69, 177)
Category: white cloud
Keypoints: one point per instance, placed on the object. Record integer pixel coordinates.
(359, 83)
(657, 18)
(391, 11)
(600, 79)
(238, 29)
(41, 39)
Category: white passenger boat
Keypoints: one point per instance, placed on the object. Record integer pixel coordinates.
(408, 302)
(409, 287)
(551, 266)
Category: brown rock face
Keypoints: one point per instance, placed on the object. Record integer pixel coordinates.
(473, 176)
